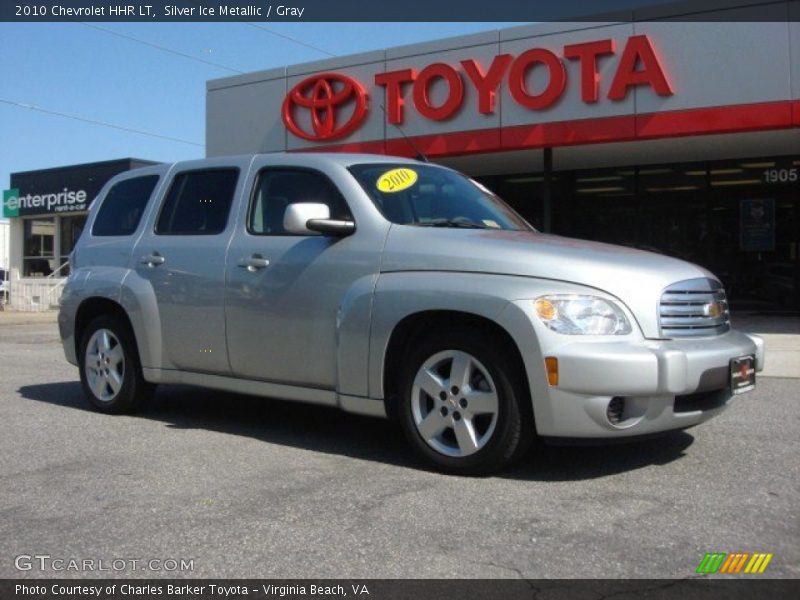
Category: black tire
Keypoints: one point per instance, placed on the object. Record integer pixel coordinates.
(134, 391)
(514, 429)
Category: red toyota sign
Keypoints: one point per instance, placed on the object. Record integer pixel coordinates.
(326, 94)
(323, 96)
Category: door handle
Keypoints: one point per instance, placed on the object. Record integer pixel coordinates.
(153, 260)
(254, 263)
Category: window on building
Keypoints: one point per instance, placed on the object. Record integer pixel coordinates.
(71, 229)
(278, 188)
(523, 192)
(198, 203)
(38, 249)
(122, 208)
(738, 218)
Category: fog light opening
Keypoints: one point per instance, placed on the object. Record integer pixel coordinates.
(615, 410)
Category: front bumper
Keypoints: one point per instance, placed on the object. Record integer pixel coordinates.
(663, 384)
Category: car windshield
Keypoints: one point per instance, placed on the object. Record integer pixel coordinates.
(430, 196)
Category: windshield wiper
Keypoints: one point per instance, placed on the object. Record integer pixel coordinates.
(452, 223)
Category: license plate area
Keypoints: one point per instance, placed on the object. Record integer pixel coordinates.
(743, 374)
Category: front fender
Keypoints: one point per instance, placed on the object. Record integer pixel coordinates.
(401, 294)
(503, 299)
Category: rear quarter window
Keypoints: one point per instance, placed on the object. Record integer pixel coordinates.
(123, 206)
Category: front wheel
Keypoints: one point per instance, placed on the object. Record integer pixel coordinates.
(111, 375)
(463, 403)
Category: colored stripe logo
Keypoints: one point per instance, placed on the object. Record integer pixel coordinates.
(736, 562)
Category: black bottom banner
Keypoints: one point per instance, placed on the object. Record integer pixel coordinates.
(399, 589)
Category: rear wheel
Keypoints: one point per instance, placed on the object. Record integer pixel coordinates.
(463, 403)
(111, 375)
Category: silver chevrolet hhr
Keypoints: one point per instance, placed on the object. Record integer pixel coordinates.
(393, 288)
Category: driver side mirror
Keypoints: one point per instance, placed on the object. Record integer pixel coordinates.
(310, 218)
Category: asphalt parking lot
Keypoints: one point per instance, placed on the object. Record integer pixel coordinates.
(252, 488)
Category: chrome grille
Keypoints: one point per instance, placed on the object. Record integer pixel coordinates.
(687, 309)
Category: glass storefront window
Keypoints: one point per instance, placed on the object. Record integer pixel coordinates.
(602, 204)
(738, 218)
(38, 247)
(674, 210)
(70, 228)
(47, 243)
(523, 193)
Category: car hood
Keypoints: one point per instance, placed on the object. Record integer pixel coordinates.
(636, 277)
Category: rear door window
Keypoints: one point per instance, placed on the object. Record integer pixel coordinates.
(124, 206)
(198, 202)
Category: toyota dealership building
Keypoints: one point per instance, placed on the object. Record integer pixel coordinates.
(656, 132)
(658, 129)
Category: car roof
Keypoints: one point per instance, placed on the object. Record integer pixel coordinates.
(306, 158)
(309, 159)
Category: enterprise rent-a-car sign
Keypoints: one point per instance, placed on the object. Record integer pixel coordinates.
(65, 200)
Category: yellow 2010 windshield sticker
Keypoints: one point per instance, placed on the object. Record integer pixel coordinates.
(397, 180)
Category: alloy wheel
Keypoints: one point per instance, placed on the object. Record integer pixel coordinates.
(454, 403)
(104, 365)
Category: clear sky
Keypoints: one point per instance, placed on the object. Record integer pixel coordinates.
(78, 69)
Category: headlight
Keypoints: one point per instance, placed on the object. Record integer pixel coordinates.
(581, 315)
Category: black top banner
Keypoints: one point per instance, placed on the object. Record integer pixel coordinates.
(401, 11)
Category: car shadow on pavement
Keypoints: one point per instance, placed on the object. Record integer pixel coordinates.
(581, 462)
(329, 430)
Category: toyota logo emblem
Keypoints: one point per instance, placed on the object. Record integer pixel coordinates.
(324, 96)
